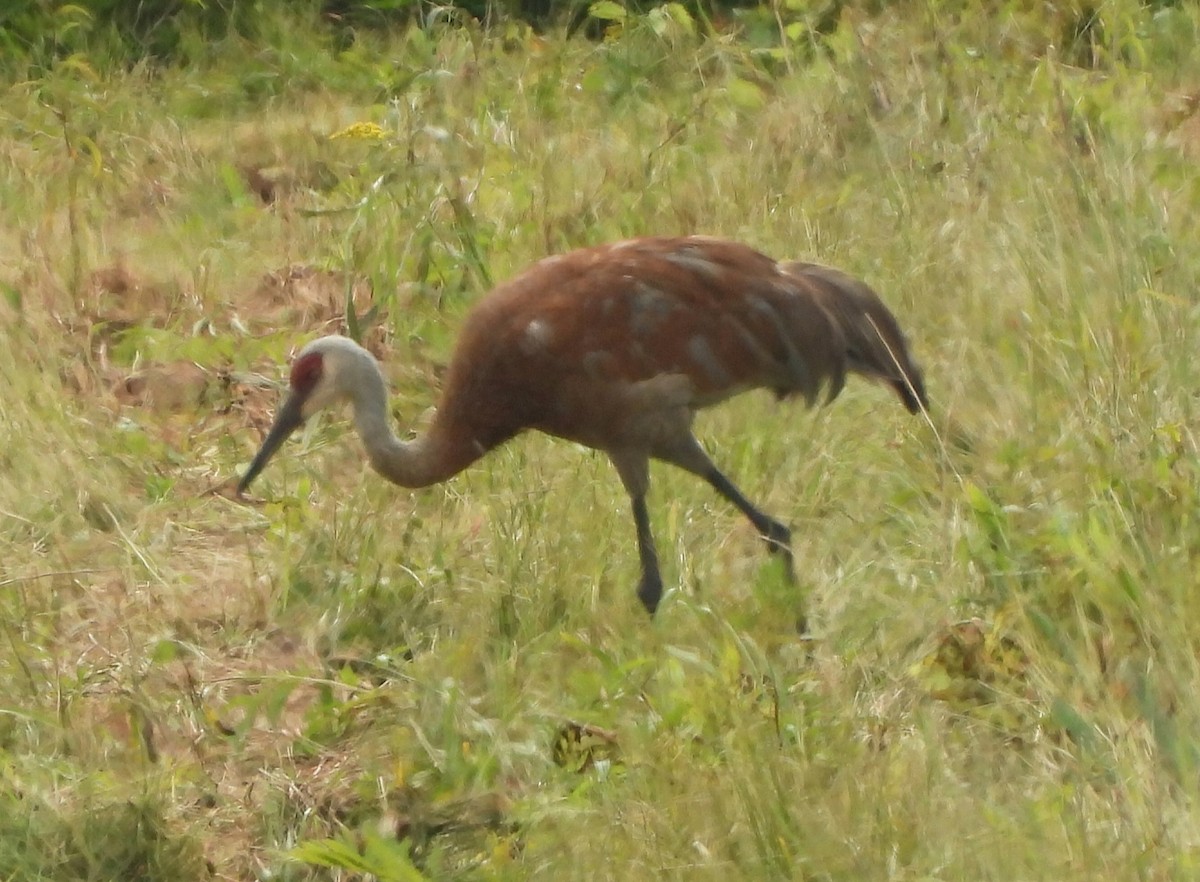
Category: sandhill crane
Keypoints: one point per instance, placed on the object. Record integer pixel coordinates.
(616, 347)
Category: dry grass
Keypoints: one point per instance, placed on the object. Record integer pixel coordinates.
(459, 682)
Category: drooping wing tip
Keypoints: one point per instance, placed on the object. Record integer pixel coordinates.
(911, 390)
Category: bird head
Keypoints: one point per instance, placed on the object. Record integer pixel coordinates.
(316, 381)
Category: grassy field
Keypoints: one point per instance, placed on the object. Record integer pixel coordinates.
(352, 679)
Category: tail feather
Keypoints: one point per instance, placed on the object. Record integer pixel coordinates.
(875, 345)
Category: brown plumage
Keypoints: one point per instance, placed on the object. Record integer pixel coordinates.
(616, 347)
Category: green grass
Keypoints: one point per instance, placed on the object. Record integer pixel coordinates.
(1001, 679)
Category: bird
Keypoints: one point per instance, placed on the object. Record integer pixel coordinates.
(617, 347)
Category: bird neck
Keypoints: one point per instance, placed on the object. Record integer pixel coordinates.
(428, 459)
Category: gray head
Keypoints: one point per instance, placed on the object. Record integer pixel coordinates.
(325, 372)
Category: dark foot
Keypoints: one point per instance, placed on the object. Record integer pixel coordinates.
(650, 591)
(779, 541)
(778, 537)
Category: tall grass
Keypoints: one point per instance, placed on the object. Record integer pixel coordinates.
(459, 682)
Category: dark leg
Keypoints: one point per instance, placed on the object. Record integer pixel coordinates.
(777, 536)
(690, 456)
(650, 588)
(634, 469)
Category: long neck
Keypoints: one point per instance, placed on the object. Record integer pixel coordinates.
(429, 459)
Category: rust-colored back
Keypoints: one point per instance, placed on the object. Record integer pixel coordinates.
(593, 345)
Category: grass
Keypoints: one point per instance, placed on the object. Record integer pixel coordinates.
(459, 682)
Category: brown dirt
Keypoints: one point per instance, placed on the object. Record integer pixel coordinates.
(189, 668)
(175, 386)
(117, 298)
(1180, 123)
(309, 298)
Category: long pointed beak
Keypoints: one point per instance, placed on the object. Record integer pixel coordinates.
(287, 420)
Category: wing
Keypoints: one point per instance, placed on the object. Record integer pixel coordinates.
(576, 342)
(717, 312)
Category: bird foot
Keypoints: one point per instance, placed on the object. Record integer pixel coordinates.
(779, 542)
(650, 591)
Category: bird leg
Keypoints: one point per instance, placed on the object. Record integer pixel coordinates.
(777, 536)
(690, 456)
(650, 588)
(687, 453)
(634, 469)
